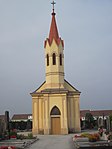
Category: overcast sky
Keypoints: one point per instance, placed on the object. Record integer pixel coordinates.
(86, 28)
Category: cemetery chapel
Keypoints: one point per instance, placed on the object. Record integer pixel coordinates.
(55, 104)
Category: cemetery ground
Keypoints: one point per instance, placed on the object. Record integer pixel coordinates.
(42, 142)
(70, 141)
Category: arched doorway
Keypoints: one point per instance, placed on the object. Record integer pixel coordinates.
(55, 121)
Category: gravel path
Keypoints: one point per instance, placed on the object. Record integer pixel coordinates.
(53, 142)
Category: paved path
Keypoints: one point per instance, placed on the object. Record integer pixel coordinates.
(53, 142)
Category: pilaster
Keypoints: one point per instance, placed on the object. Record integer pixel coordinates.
(77, 115)
(35, 115)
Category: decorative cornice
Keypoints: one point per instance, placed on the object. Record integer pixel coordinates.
(55, 73)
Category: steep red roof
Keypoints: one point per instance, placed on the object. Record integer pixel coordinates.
(53, 34)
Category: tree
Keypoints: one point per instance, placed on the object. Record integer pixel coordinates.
(110, 117)
(89, 121)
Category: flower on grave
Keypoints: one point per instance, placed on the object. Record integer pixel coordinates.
(94, 137)
(77, 136)
(7, 147)
(13, 136)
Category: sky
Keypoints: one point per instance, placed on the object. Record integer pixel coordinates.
(86, 28)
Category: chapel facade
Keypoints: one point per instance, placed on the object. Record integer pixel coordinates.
(55, 104)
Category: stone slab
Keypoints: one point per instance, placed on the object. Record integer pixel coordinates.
(92, 145)
(18, 143)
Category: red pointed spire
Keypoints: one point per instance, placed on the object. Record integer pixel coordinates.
(53, 34)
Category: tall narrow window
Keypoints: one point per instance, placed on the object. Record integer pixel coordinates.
(60, 59)
(54, 58)
(47, 60)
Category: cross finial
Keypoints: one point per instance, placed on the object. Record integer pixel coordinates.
(53, 3)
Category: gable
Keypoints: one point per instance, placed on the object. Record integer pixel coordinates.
(69, 87)
(42, 87)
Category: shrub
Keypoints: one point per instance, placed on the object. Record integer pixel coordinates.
(13, 133)
(85, 135)
(30, 136)
(21, 137)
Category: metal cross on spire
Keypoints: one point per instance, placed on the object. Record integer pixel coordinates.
(53, 3)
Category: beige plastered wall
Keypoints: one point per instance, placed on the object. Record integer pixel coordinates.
(41, 113)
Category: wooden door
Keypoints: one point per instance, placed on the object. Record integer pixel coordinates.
(55, 125)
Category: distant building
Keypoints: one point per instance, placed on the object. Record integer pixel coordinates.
(21, 117)
(21, 122)
(100, 116)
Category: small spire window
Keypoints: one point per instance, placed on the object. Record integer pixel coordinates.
(47, 60)
(54, 59)
(60, 59)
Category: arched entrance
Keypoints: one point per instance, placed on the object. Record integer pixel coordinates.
(55, 121)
